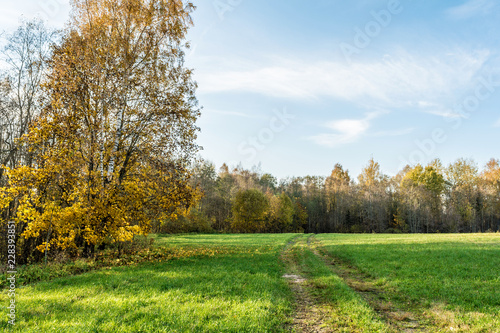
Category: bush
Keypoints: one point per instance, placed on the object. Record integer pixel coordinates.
(196, 222)
(60, 264)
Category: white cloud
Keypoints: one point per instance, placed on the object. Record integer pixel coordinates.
(430, 83)
(350, 127)
(471, 8)
(497, 123)
(446, 112)
(351, 130)
(345, 131)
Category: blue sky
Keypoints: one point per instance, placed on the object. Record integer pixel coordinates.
(301, 85)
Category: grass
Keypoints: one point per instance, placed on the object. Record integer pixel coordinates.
(343, 310)
(231, 284)
(453, 279)
(234, 283)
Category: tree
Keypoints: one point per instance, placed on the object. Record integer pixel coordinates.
(205, 178)
(490, 191)
(300, 217)
(370, 175)
(373, 198)
(113, 145)
(21, 98)
(312, 194)
(249, 210)
(422, 195)
(24, 65)
(280, 214)
(338, 189)
(268, 182)
(462, 195)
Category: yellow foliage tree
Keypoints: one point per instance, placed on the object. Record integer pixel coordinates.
(249, 211)
(112, 147)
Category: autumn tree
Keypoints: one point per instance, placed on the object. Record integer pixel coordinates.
(249, 211)
(338, 194)
(373, 198)
(490, 189)
(204, 176)
(299, 218)
(24, 60)
(280, 213)
(462, 196)
(268, 182)
(314, 198)
(24, 67)
(113, 144)
(422, 190)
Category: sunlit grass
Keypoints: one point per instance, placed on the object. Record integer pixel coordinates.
(233, 283)
(453, 278)
(344, 310)
(234, 291)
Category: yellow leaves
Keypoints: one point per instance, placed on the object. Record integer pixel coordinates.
(124, 235)
(97, 212)
(90, 235)
(43, 247)
(5, 197)
(107, 87)
(30, 232)
(26, 213)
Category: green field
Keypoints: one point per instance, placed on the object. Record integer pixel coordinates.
(448, 282)
(239, 289)
(235, 283)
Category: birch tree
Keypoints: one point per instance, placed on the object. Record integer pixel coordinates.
(113, 144)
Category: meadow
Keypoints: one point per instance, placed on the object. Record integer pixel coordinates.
(231, 284)
(236, 283)
(444, 282)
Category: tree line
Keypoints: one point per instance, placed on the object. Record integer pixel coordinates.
(98, 144)
(419, 199)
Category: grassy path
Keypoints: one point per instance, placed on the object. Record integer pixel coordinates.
(373, 292)
(395, 283)
(324, 302)
(308, 317)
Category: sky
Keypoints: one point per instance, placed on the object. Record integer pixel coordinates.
(298, 86)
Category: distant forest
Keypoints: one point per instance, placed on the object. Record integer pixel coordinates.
(419, 199)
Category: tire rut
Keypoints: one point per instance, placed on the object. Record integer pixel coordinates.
(308, 317)
(399, 320)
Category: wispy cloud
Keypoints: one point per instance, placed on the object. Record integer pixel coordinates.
(344, 131)
(446, 112)
(471, 8)
(429, 83)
